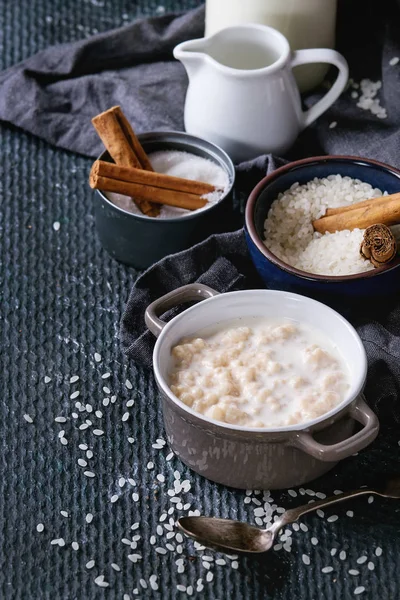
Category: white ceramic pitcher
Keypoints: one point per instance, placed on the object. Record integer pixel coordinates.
(242, 94)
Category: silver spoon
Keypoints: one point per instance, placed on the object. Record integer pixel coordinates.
(231, 536)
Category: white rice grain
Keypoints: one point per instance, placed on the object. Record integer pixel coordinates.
(359, 590)
(332, 518)
(153, 582)
(100, 581)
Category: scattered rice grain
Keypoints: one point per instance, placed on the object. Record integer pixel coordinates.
(332, 518)
(89, 474)
(100, 581)
(359, 590)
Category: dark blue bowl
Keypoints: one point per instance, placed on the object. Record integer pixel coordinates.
(278, 275)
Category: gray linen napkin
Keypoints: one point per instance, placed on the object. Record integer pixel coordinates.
(55, 93)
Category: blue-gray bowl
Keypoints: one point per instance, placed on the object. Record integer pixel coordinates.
(279, 275)
(140, 241)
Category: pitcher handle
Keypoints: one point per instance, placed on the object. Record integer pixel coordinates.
(322, 55)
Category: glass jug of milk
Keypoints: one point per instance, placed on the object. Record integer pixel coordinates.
(305, 23)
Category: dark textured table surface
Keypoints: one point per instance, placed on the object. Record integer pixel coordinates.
(61, 302)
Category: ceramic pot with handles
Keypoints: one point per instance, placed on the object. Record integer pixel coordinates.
(259, 458)
(242, 94)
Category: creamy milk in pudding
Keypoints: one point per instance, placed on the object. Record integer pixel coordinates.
(259, 372)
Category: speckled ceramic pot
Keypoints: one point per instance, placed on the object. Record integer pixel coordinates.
(252, 458)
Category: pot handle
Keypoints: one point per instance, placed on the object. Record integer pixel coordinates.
(187, 293)
(322, 55)
(362, 413)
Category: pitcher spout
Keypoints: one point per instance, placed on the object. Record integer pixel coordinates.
(191, 54)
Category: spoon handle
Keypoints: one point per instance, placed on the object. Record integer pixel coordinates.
(293, 514)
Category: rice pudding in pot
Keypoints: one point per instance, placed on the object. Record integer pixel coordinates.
(259, 372)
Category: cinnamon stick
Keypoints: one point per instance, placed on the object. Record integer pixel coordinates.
(124, 148)
(379, 245)
(387, 213)
(147, 192)
(132, 139)
(105, 169)
(379, 200)
(108, 126)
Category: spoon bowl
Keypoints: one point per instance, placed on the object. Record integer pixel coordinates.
(227, 535)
